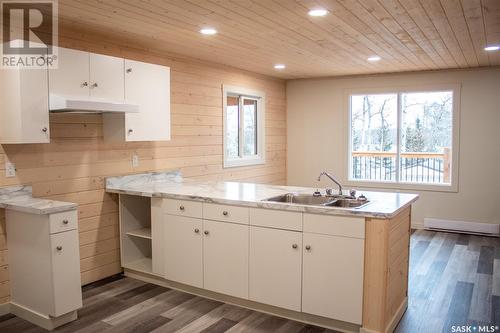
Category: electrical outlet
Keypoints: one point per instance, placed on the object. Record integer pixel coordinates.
(10, 170)
(135, 160)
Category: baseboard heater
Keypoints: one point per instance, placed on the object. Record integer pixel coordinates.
(486, 229)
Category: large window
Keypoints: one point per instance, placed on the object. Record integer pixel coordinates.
(403, 137)
(243, 127)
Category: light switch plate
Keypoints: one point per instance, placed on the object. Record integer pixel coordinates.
(135, 160)
(10, 170)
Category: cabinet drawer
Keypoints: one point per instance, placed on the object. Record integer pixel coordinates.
(64, 221)
(276, 219)
(183, 208)
(65, 272)
(225, 213)
(335, 225)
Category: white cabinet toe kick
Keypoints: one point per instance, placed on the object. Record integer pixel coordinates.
(341, 272)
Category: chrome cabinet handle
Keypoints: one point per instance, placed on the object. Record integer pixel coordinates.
(196, 231)
(206, 232)
(45, 129)
(95, 85)
(225, 213)
(129, 70)
(181, 208)
(294, 246)
(308, 247)
(85, 84)
(59, 248)
(65, 221)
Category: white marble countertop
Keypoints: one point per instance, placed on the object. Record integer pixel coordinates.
(173, 185)
(20, 198)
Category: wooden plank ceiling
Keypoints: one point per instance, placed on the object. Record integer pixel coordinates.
(409, 35)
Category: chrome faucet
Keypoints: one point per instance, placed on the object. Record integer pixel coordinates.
(324, 173)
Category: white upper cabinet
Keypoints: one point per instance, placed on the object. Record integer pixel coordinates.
(24, 107)
(71, 77)
(106, 78)
(148, 86)
(82, 79)
(86, 76)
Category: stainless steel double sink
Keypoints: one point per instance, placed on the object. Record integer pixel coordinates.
(312, 200)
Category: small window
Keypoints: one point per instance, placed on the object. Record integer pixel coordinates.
(403, 137)
(243, 127)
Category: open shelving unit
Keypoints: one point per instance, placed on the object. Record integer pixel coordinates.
(135, 233)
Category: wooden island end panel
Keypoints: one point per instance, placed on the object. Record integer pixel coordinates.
(386, 272)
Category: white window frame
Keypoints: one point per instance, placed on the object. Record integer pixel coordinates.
(453, 186)
(259, 158)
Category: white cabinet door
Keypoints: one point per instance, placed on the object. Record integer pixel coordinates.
(66, 272)
(183, 246)
(332, 284)
(147, 85)
(71, 77)
(276, 267)
(107, 78)
(225, 258)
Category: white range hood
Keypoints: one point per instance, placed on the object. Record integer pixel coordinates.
(59, 103)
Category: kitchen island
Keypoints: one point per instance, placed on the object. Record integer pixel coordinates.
(342, 268)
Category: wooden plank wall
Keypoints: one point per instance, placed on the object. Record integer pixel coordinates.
(73, 166)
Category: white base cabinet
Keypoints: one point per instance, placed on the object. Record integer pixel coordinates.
(275, 267)
(332, 282)
(44, 265)
(225, 258)
(183, 250)
(309, 263)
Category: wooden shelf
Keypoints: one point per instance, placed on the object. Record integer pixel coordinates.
(142, 233)
(143, 265)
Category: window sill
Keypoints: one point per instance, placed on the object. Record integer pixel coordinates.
(403, 186)
(243, 162)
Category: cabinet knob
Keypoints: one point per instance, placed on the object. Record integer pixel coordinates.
(130, 131)
(65, 221)
(206, 232)
(59, 248)
(225, 213)
(45, 129)
(294, 246)
(95, 85)
(308, 247)
(85, 84)
(129, 70)
(196, 231)
(181, 207)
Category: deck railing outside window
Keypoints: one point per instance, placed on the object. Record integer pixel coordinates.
(414, 167)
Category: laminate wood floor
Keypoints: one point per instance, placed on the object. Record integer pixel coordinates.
(454, 280)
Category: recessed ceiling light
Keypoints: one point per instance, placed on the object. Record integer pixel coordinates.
(318, 12)
(492, 48)
(279, 66)
(208, 31)
(374, 58)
